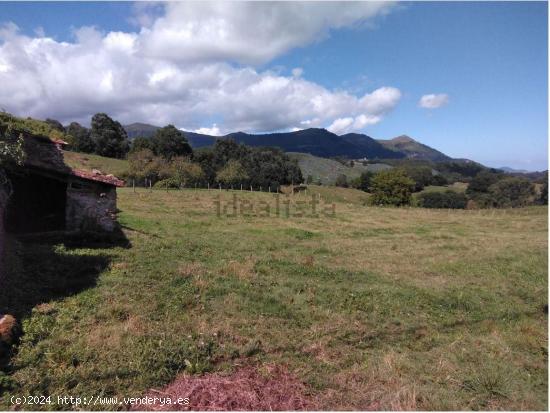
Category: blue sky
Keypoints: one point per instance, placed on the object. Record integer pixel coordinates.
(490, 59)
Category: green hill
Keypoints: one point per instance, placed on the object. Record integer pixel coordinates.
(327, 170)
(413, 149)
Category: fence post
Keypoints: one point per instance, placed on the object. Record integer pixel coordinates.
(220, 187)
(250, 188)
(208, 185)
(134, 185)
(241, 187)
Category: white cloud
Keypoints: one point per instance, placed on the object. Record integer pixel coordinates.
(188, 80)
(214, 130)
(340, 125)
(297, 72)
(433, 101)
(247, 32)
(346, 125)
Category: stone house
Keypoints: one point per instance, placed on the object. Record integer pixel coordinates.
(48, 195)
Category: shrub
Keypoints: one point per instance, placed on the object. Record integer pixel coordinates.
(439, 180)
(391, 187)
(167, 183)
(364, 181)
(341, 181)
(481, 182)
(512, 192)
(11, 147)
(447, 199)
(421, 175)
(144, 165)
(543, 195)
(232, 174)
(186, 172)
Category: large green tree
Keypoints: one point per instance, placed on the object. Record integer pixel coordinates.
(81, 139)
(170, 142)
(139, 143)
(109, 137)
(391, 187)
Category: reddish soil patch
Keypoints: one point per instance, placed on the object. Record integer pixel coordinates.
(245, 389)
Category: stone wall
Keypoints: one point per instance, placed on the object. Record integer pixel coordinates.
(3, 203)
(90, 206)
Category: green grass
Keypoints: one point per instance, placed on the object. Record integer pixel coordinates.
(89, 161)
(457, 187)
(373, 308)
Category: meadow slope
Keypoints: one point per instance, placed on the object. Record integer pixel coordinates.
(372, 308)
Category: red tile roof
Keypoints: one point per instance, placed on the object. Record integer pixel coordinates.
(95, 175)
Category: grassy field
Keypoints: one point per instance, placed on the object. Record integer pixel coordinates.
(88, 161)
(327, 170)
(376, 308)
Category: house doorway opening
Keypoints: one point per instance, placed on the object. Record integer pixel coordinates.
(37, 204)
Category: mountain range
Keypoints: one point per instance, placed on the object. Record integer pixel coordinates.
(315, 141)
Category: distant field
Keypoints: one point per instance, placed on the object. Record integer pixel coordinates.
(88, 161)
(457, 187)
(327, 170)
(373, 308)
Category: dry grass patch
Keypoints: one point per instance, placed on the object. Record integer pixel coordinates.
(243, 270)
(189, 269)
(271, 388)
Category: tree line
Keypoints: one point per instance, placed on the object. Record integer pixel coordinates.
(488, 188)
(227, 164)
(167, 160)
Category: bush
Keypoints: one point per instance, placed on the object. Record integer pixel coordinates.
(439, 180)
(364, 181)
(421, 175)
(144, 165)
(167, 183)
(447, 199)
(543, 195)
(391, 187)
(232, 174)
(512, 192)
(481, 182)
(341, 181)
